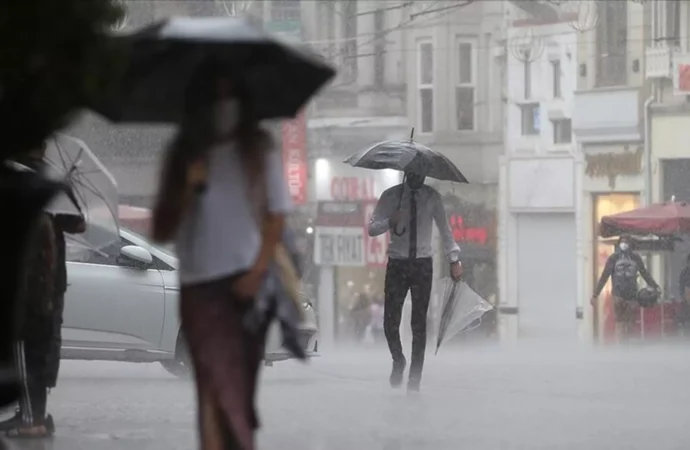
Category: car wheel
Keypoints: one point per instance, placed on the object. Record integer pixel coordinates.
(180, 365)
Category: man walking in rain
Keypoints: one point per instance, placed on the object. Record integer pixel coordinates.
(622, 267)
(408, 211)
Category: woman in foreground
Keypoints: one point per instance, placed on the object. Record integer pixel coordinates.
(223, 199)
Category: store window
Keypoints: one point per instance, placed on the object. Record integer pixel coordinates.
(605, 205)
(675, 186)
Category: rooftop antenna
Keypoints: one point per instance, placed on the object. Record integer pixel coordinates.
(412, 134)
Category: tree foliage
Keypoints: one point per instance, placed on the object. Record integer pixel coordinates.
(55, 56)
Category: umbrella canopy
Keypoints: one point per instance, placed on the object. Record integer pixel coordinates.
(162, 59)
(461, 308)
(663, 219)
(94, 188)
(407, 156)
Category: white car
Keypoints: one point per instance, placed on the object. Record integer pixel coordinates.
(122, 305)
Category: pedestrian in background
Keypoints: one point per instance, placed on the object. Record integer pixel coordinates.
(623, 268)
(221, 173)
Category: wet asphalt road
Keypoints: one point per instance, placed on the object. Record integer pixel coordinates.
(490, 398)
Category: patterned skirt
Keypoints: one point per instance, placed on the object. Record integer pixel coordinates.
(226, 357)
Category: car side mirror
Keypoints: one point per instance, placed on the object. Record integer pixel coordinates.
(138, 257)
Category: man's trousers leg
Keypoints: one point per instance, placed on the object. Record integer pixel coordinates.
(420, 280)
(395, 291)
(30, 362)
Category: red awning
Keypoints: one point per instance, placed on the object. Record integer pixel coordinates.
(664, 219)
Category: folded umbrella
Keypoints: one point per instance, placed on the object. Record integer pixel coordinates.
(93, 191)
(461, 308)
(274, 303)
(162, 59)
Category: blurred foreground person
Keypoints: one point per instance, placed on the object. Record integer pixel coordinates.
(623, 267)
(40, 341)
(223, 199)
(408, 210)
(35, 334)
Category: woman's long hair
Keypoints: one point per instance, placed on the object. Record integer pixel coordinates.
(196, 135)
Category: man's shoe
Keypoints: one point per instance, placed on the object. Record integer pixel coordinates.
(49, 424)
(412, 386)
(397, 373)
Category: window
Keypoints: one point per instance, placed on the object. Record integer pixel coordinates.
(380, 48)
(349, 24)
(611, 41)
(556, 66)
(286, 11)
(530, 119)
(527, 70)
(672, 25)
(426, 86)
(465, 87)
(562, 131)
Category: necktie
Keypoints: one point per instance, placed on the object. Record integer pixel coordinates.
(413, 225)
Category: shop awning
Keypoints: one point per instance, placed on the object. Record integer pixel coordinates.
(663, 219)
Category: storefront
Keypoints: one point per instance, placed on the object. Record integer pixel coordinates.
(613, 182)
(350, 262)
(670, 136)
(539, 211)
(473, 222)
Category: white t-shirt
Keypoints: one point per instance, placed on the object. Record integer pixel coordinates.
(219, 236)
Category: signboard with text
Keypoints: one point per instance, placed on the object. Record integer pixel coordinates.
(339, 246)
(294, 137)
(339, 182)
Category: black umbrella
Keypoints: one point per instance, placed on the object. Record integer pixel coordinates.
(408, 156)
(162, 58)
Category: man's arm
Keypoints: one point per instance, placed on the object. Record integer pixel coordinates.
(608, 270)
(645, 273)
(380, 223)
(450, 247)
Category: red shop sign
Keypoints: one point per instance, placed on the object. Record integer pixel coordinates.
(353, 189)
(294, 137)
(479, 235)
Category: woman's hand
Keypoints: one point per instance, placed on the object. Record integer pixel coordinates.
(197, 173)
(248, 285)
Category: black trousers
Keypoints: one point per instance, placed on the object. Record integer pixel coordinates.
(31, 365)
(416, 276)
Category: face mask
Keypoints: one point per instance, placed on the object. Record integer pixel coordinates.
(414, 181)
(624, 246)
(227, 116)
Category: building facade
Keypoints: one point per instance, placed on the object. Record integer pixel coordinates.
(611, 104)
(365, 104)
(455, 76)
(539, 205)
(666, 70)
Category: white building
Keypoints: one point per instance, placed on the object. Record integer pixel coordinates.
(539, 205)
